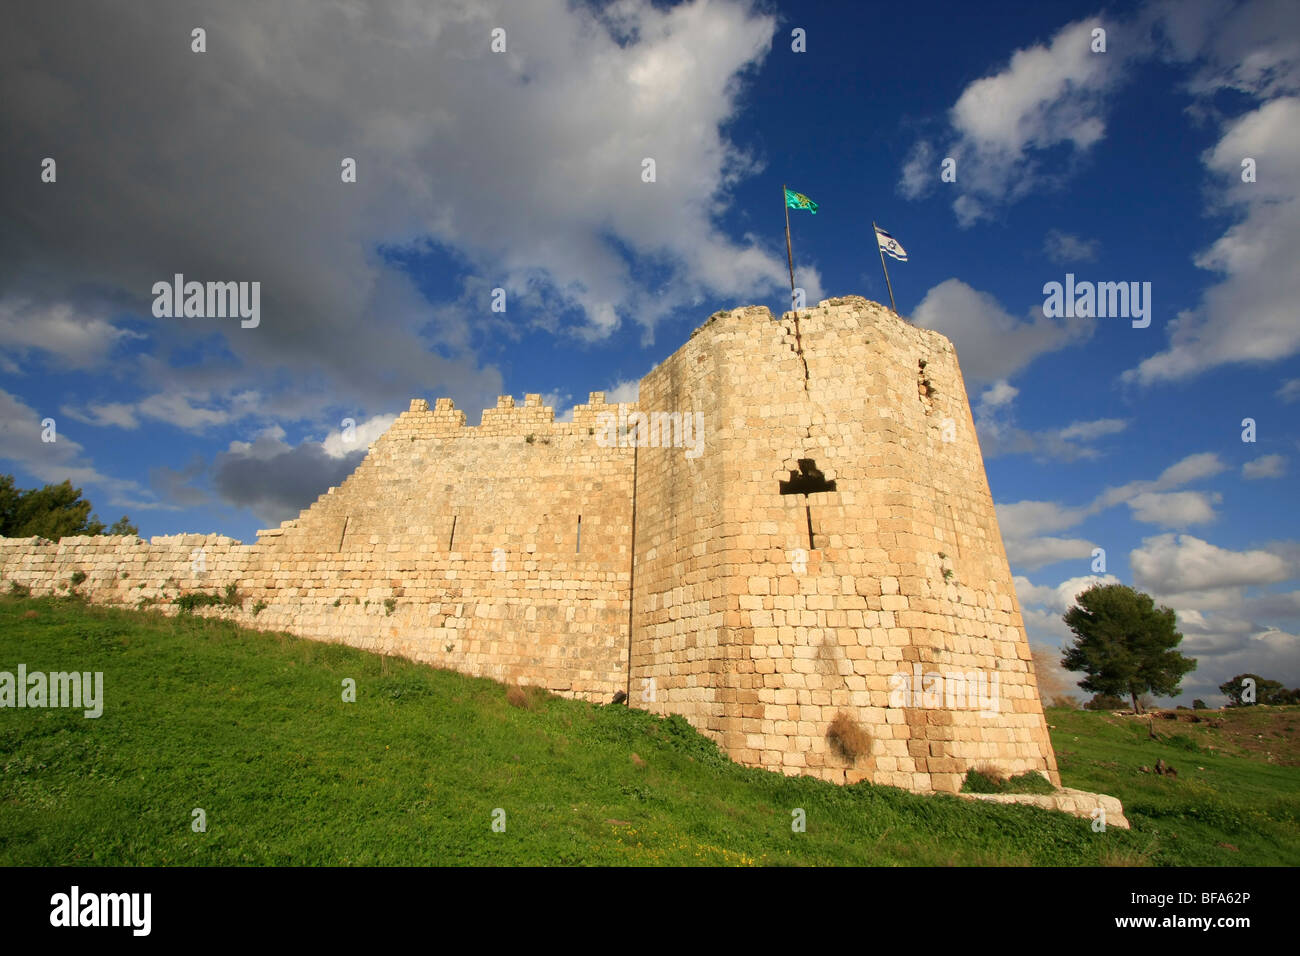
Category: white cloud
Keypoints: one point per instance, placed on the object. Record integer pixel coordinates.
(1251, 47)
(1044, 627)
(1174, 509)
(1192, 468)
(1063, 247)
(1228, 630)
(1028, 527)
(1023, 519)
(61, 459)
(1188, 469)
(176, 409)
(624, 391)
(968, 211)
(998, 394)
(363, 433)
(1048, 96)
(1061, 597)
(920, 171)
(1034, 553)
(1086, 431)
(664, 93)
(999, 434)
(1221, 627)
(1052, 97)
(1289, 390)
(1170, 563)
(1275, 605)
(1266, 466)
(183, 408)
(992, 344)
(1248, 316)
(1271, 652)
(1193, 622)
(102, 414)
(64, 334)
(562, 401)
(524, 167)
(1043, 96)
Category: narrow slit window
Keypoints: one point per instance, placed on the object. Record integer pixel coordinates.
(808, 480)
(452, 540)
(578, 547)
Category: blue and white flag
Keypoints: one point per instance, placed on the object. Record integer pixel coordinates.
(889, 245)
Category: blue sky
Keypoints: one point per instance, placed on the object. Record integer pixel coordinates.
(522, 170)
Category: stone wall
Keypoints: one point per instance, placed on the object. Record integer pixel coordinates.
(504, 547)
(507, 550)
(123, 570)
(452, 545)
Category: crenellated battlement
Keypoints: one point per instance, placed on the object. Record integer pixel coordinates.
(506, 420)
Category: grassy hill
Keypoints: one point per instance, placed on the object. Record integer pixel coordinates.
(251, 728)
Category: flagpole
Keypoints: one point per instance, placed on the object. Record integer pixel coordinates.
(789, 253)
(888, 284)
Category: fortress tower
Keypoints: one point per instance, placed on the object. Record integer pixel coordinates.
(799, 528)
(767, 600)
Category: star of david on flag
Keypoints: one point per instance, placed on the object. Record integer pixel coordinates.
(890, 246)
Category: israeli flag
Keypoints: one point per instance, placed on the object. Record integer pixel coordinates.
(889, 245)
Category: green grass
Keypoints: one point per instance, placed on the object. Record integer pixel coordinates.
(977, 782)
(1236, 798)
(252, 728)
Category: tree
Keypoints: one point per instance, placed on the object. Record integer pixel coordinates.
(123, 526)
(55, 511)
(1265, 691)
(1052, 681)
(9, 496)
(1199, 704)
(1125, 644)
(1104, 702)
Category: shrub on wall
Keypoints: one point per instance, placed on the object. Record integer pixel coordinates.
(848, 736)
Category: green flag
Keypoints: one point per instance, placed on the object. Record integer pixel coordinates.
(794, 200)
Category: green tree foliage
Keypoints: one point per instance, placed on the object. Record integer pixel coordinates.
(1104, 702)
(1125, 644)
(54, 512)
(1266, 691)
(123, 526)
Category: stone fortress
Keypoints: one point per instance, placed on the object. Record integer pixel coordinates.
(792, 523)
